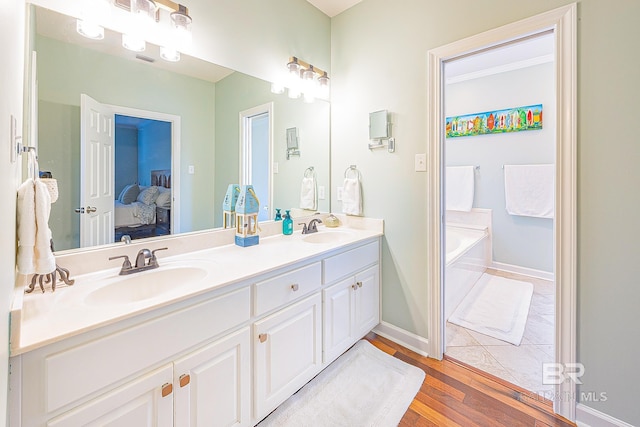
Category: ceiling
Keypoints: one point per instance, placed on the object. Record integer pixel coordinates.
(332, 8)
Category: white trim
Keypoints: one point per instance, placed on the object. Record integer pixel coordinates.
(404, 338)
(589, 417)
(175, 153)
(244, 167)
(525, 271)
(563, 22)
(518, 65)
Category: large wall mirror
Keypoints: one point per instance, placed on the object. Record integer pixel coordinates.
(177, 127)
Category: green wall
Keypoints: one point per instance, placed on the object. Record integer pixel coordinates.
(65, 71)
(391, 40)
(238, 92)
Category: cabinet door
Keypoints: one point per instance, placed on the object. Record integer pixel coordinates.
(288, 352)
(339, 318)
(367, 311)
(213, 384)
(146, 401)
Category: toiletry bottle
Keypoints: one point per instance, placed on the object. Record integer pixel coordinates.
(278, 215)
(287, 224)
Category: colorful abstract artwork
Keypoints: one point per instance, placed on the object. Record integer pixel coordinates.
(501, 121)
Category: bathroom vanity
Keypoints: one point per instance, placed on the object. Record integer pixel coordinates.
(246, 329)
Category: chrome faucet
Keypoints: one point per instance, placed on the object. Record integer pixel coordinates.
(126, 239)
(312, 227)
(141, 261)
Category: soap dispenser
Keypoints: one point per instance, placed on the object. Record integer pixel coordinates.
(278, 215)
(287, 224)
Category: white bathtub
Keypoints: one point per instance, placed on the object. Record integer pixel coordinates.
(467, 257)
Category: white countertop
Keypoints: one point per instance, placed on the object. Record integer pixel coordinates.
(39, 318)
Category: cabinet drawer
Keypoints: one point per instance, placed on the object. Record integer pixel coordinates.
(349, 262)
(80, 371)
(279, 290)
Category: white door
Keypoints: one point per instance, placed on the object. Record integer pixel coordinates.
(145, 402)
(213, 384)
(97, 151)
(256, 142)
(288, 352)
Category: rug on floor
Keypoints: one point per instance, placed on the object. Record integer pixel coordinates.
(363, 387)
(496, 306)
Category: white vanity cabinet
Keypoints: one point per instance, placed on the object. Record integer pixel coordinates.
(226, 357)
(352, 305)
(212, 385)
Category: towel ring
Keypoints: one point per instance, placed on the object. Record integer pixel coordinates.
(354, 169)
(309, 172)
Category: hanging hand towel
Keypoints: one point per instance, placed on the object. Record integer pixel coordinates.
(45, 262)
(351, 196)
(459, 188)
(26, 227)
(529, 190)
(308, 199)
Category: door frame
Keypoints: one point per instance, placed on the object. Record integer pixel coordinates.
(244, 166)
(563, 22)
(175, 153)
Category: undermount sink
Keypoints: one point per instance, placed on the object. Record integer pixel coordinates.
(326, 237)
(145, 285)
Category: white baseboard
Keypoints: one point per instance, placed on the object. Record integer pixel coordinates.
(525, 271)
(589, 417)
(405, 338)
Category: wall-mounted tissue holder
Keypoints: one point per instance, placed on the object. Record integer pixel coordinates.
(292, 142)
(380, 131)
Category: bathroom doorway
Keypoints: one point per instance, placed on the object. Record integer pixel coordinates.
(256, 147)
(498, 278)
(562, 22)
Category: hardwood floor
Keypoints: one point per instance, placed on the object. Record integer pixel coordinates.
(456, 395)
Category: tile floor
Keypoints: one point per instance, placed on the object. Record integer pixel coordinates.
(520, 365)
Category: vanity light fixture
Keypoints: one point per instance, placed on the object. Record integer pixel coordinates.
(306, 79)
(144, 18)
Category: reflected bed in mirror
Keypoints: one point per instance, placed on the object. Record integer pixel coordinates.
(207, 99)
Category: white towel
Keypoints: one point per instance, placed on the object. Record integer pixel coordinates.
(529, 190)
(34, 235)
(351, 197)
(308, 199)
(460, 183)
(45, 262)
(26, 226)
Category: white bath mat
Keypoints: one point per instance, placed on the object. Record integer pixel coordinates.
(497, 307)
(363, 387)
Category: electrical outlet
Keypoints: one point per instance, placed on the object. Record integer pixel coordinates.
(321, 192)
(339, 193)
(421, 163)
(192, 169)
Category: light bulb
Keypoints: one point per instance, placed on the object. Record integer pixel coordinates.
(277, 88)
(90, 30)
(92, 13)
(169, 54)
(133, 42)
(181, 28)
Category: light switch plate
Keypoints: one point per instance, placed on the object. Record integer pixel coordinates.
(421, 162)
(276, 167)
(192, 169)
(339, 193)
(321, 192)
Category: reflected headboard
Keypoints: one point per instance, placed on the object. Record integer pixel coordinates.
(161, 178)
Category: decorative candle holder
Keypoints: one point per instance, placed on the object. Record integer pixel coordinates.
(229, 206)
(247, 209)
